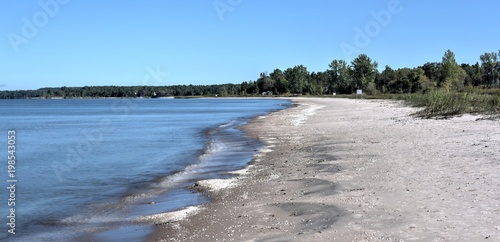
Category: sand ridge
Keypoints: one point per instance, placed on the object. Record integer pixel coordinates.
(357, 170)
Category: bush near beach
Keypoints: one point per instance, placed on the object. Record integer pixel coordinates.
(440, 102)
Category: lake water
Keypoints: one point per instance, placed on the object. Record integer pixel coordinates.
(87, 167)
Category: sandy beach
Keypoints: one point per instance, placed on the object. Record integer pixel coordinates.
(354, 170)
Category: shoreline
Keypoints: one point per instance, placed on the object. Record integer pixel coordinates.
(209, 172)
(211, 146)
(357, 170)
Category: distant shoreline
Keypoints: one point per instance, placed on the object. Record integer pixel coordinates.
(170, 97)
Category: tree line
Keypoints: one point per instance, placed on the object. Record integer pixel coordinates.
(125, 91)
(362, 73)
(341, 77)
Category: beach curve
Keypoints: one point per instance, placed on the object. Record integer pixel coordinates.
(357, 170)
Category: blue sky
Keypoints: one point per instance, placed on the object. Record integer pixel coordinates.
(89, 42)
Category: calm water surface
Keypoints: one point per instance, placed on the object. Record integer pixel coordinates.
(88, 167)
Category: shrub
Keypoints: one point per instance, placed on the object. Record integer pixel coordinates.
(441, 102)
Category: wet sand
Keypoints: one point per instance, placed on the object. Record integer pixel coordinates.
(354, 170)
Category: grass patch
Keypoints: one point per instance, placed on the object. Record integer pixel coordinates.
(445, 103)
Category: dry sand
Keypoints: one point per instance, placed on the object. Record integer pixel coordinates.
(357, 170)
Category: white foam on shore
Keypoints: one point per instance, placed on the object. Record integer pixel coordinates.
(265, 150)
(217, 184)
(214, 185)
(169, 217)
(302, 117)
(271, 141)
(243, 171)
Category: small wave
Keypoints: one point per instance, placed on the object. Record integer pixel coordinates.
(213, 147)
(229, 124)
(217, 184)
(88, 219)
(169, 216)
(136, 196)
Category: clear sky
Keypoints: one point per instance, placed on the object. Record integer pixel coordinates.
(52, 43)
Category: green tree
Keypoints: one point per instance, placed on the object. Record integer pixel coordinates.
(420, 82)
(265, 83)
(364, 71)
(340, 77)
(490, 69)
(384, 80)
(252, 88)
(320, 80)
(280, 82)
(452, 75)
(243, 88)
(432, 71)
(473, 74)
(260, 81)
(298, 78)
